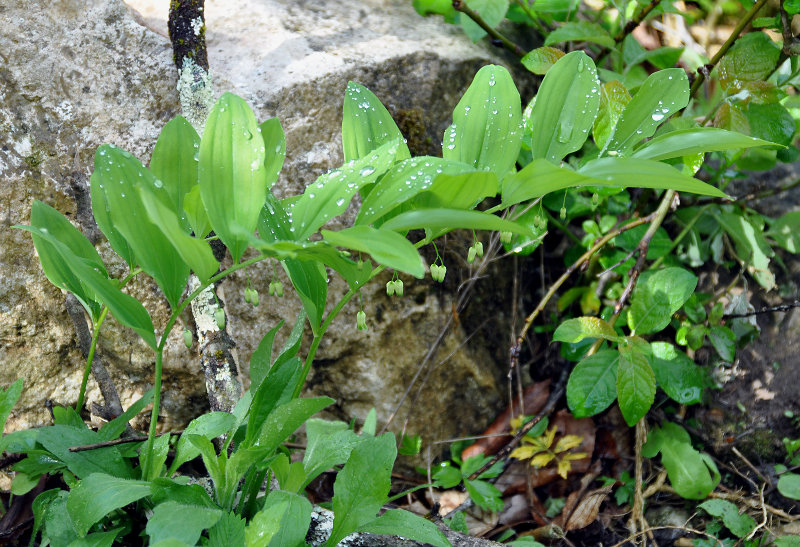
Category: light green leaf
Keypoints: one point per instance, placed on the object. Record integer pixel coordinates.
(740, 524)
(328, 444)
(232, 173)
(275, 390)
(367, 125)
(637, 173)
(386, 247)
(661, 95)
(310, 281)
(275, 148)
(486, 132)
(173, 520)
(592, 385)
(785, 231)
(174, 162)
(575, 330)
(657, 297)
(396, 522)
(113, 429)
(287, 418)
(614, 97)
(450, 219)
(463, 191)
(724, 341)
(102, 215)
(98, 494)
(228, 531)
(196, 213)
(330, 195)
(750, 245)
(696, 140)
(210, 425)
(151, 464)
(580, 31)
(491, 11)
(566, 107)
(540, 60)
(541, 177)
(676, 374)
(789, 485)
(291, 527)
(261, 359)
(636, 385)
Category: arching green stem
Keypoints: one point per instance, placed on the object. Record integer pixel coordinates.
(90, 358)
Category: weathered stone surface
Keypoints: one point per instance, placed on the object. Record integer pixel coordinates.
(78, 74)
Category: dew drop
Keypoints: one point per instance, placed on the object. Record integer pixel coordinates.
(158, 184)
(580, 65)
(366, 171)
(657, 116)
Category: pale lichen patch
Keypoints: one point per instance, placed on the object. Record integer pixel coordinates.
(196, 93)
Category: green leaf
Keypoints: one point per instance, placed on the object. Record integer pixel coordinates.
(491, 11)
(310, 280)
(441, 7)
(663, 57)
(752, 57)
(486, 132)
(275, 148)
(657, 297)
(232, 173)
(566, 107)
(261, 359)
(120, 176)
(330, 195)
(386, 247)
(97, 539)
(173, 520)
(661, 95)
(485, 495)
(126, 309)
(636, 173)
(113, 429)
(785, 231)
(8, 398)
(771, 122)
(292, 525)
(750, 245)
(789, 485)
(724, 341)
(328, 444)
(614, 97)
(538, 178)
(696, 140)
(196, 213)
(541, 59)
(581, 31)
(362, 486)
(575, 330)
(293, 342)
(174, 162)
(229, 530)
(693, 475)
(102, 215)
(592, 385)
(397, 522)
(189, 494)
(194, 252)
(151, 464)
(404, 181)
(275, 390)
(636, 385)
(463, 191)
(287, 418)
(98, 494)
(210, 425)
(367, 125)
(450, 219)
(676, 374)
(740, 525)
(50, 512)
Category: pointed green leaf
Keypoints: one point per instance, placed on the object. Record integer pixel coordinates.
(740, 524)
(196, 213)
(102, 215)
(676, 374)
(113, 429)
(692, 141)
(275, 390)
(287, 418)
(575, 330)
(614, 97)
(367, 125)
(566, 107)
(232, 173)
(752, 58)
(329, 444)
(397, 522)
(275, 146)
(450, 219)
(386, 247)
(592, 385)
(540, 60)
(97, 495)
(580, 31)
(174, 162)
(310, 280)
(486, 132)
(636, 385)
(661, 95)
(491, 11)
(210, 425)
(541, 177)
(289, 529)
(463, 191)
(181, 522)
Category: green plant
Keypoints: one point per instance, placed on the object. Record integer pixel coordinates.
(483, 493)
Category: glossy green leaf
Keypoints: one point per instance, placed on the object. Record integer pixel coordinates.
(592, 385)
(98, 494)
(538, 178)
(126, 309)
(723, 340)
(789, 485)
(386, 247)
(566, 107)
(292, 525)
(441, 7)
(693, 141)
(329, 444)
(752, 57)
(287, 418)
(397, 522)
(540, 60)
(740, 524)
(102, 215)
(113, 429)
(232, 173)
(536, 222)
(491, 11)
(750, 245)
(119, 177)
(330, 195)
(310, 281)
(194, 252)
(367, 125)
(693, 475)
(463, 191)
(614, 97)
(174, 162)
(580, 31)
(362, 486)
(732, 118)
(636, 385)
(275, 148)
(632, 172)
(575, 330)
(486, 132)
(404, 181)
(771, 122)
(210, 425)
(196, 214)
(450, 219)
(676, 374)
(185, 523)
(57, 271)
(661, 95)
(275, 390)
(785, 231)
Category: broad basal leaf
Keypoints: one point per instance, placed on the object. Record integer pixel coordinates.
(97, 495)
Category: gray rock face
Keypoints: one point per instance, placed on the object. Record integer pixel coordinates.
(76, 74)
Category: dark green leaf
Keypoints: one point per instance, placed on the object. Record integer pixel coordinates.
(174, 162)
(275, 145)
(566, 107)
(367, 125)
(740, 525)
(771, 122)
(261, 359)
(636, 385)
(491, 11)
(649, 311)
(113, 429)
(287, 418)
(789, 485)
(676, 374)
(232, 173)
(98, 494)
(692, 141)
(575, 330)
(485, 495)
(724, 341)
(785, 231)
(540, 60)
(50, 510)
(8, 398)
(386, 247)
(592, 385)
(752, 57)
(275, 390)
(580, 31)
(450, 219)
(173, 520)
(397, 522)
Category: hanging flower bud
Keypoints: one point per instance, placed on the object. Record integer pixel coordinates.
(390, 288)
(471, 254)
(247, 295)
(479, 249)
(442, 272)
(219, 317)
(563, 213)
(254, 297)
(278, 289)
(187, 338)
(505, 237)
(361, 320)
(539, 222)
(595, 199)
(272, 288)
(398, 287)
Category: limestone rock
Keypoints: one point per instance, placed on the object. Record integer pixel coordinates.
(79, 74)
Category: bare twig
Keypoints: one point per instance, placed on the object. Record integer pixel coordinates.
(791, 45)
(462, 6)
(116, 442)
(770, 309)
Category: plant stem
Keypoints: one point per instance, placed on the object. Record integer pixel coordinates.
(88, 368)
(461, 5)
(627, 28)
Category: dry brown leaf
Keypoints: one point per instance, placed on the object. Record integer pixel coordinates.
(587, 510)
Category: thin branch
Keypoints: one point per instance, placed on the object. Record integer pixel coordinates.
(116, 442)
(791, 45)
(461, 5)
(771, 309)
(629, 27)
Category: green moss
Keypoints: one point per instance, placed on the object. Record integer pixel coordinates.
(411, 122)
(34, 160)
